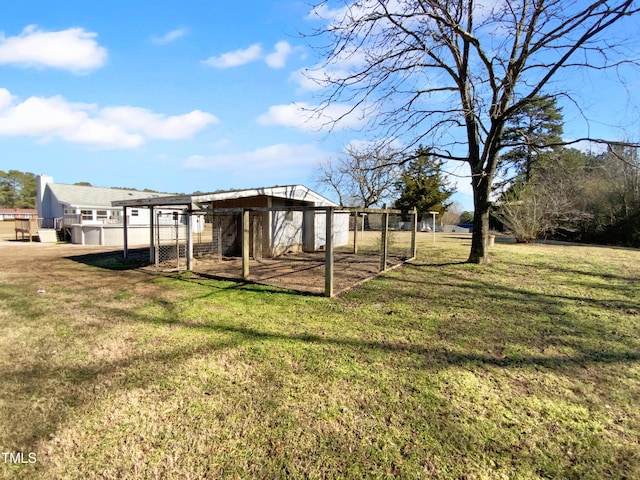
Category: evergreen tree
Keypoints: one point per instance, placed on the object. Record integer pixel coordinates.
(422, 186)
(17, 189)
(528, 134)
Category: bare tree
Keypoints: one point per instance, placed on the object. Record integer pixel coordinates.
(451, 216)
(551, 202)
(364, 176)
(622, 169)
(451, 73)
(541, 208)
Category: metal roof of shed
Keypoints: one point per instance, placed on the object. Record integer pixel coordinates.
(291, 192)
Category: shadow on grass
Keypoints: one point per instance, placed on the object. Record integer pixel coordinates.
(137, 258)
(438, 356)
(84, 384)
(435, 265)
(479, 289)
(228, 283)
(141, 369)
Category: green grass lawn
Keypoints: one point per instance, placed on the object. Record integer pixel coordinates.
(525, 368)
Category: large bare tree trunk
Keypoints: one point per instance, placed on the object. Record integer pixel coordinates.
(479, 251)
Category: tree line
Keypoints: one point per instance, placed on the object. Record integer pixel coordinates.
(451, 74)
(17, 189)
(543, 188)
(552, 191)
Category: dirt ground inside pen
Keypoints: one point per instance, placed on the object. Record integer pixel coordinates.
(305, 272)
(302, 272)
(298, 271)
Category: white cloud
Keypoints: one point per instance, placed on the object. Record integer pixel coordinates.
(324, 12)
(100, 134)
(156, 125)
(110, 127)
(278, 58)
(169, 36)
(322, 75)
(310, 118)
(266, 160)
(73, 49)
(236, 58)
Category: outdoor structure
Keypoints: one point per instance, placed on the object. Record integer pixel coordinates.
(26, 226)
(85, 214)
(286, 236)
(283, 217)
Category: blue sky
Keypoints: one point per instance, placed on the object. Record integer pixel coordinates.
(181, 96)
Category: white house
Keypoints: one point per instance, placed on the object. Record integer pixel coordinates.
(86, 215)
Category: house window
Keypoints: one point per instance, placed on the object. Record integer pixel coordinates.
(86, 214)
(134, 213)
(101, 215)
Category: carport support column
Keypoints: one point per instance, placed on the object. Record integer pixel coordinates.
(125, 232)
(245, 244)
(328, 259)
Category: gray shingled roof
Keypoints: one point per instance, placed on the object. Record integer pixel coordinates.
(83, 196)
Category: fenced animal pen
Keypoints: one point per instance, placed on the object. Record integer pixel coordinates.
(312, 249)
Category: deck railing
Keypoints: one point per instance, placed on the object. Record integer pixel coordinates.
(70, 219)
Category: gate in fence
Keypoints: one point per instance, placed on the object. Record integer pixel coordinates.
(222, 236)
(170, 235)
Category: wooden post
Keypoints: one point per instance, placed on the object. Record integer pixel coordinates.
(245, 243)
(152, 255)
(157, 249)
(355, 233)
(219, 230)
(125, 232)
(189, 240)
(385, 230)
(176, 225)
(414, 233)
(328, 254)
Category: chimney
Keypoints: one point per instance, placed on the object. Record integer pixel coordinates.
(41, 183)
